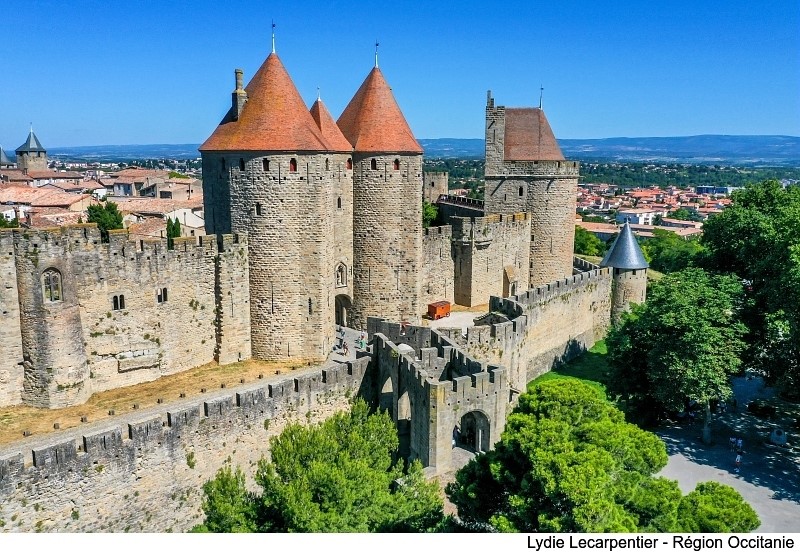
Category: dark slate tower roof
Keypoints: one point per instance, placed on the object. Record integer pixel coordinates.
(4, 161)
(32, 145)
(373, 122)
(528, 136)
(625, 254)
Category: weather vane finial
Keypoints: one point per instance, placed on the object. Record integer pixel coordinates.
(273, 36)
(541, 94)
(377, 44)
(318, 97)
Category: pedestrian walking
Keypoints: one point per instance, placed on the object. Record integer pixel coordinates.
(732, 443)
(455, 435)
(739, 444)
(346, 350)
(738, 462)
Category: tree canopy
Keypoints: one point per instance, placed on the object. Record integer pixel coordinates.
(758, 238)
(586, 243)
(429, 213)
(683, 344)
(107, 217)
(668, 252)
(568, 462)
(173, 231)
(338, 476)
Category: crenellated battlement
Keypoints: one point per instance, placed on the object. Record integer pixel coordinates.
(539, 169)
(154, 430)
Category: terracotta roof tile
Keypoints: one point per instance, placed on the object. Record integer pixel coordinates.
(373, 122)
(275, 118)
(528, 136)
(330, 131)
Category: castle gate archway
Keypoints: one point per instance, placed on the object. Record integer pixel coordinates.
(475, 431)
(343, 304)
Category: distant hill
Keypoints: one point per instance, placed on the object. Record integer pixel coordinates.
(762, 150)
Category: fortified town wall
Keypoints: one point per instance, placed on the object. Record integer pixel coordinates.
(93, 316)
(144, 472)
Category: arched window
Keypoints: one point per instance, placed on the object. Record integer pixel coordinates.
(521, 190)
(265, 163)
(51, 285)
(373, 164)
(339, 203)
(349, 164)
(327, 164)
(161, 295)
(118, 302)
(293, 165)
(341, 275)
(396, 164)
(241, 164)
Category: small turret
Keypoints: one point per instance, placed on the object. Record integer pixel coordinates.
(4, 161)
(31, 154)
(630, 272)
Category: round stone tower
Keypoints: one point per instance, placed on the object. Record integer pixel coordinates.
(270, 170)
(526, 172)
(629, 282)
(387, 205)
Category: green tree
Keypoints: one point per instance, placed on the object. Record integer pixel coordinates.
(682, 345)
(107, 217)
(173, 231)
(5, 223)
(339, 475)
(228, 506)
(758, 238)
(668, 252)
(715, 508)
(684, 214)
(429, 213)
(568, 462)
(586, 243)
(174, 174)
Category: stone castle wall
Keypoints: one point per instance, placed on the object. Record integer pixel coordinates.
(438, 265)
(387, 237)
(11, 358)
(145, 472)
(548, 325)
(129, 311)
(433, 185)
(492, 256)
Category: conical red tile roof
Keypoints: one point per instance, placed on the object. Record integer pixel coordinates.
(330, 131)
(275, 118)
(528, 136)
(373, 122)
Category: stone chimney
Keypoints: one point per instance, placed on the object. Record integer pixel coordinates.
(239, 95)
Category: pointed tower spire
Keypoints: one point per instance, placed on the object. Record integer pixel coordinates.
(377, 44)
(273, 36)
(625, 253)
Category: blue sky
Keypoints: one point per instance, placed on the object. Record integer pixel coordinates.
(123, 72)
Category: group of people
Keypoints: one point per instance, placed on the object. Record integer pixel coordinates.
(736, 443)
(342, 347)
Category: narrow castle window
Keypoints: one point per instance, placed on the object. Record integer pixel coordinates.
(309, 306)
(341, 275)
(222, 164)
(373, 164)
(293, 165)
(118, 302)
(339, 202)
(396, 164)
(258, 209)
(161, 295)
(265, 162)
(327, 164)
(349, 165)
(241, 164)
(51, 285)
(521, 191)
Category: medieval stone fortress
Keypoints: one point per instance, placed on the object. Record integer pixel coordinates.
(312, 223)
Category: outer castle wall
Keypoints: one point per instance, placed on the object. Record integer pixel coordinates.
(548, 325)
(145, 472)
(11, 358)
(129, 311)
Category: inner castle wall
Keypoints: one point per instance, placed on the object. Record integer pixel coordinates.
(126, 311)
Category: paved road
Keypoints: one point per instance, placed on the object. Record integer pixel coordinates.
(769, 478)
